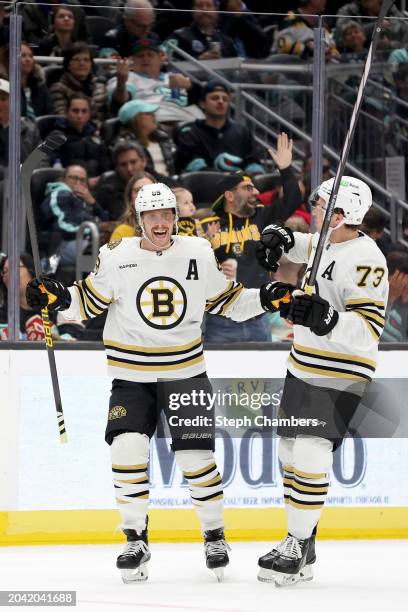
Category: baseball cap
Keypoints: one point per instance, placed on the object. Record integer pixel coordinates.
(213, 85)
(4, 86)
(145, 43)
(227, 182)
(133, 108)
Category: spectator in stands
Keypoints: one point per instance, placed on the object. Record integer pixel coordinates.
(31, 327)
(242, 220)
(139, 121)
(37, 19)
(187, 224)
(128, 159)
(35, 96)
(209, 223)
(69, 203)
(78, 77)
(396, 316)
(243, 28)
(26, 271)
(128, 225)
(396, 30)
(35, 99)
(351, 40)
(216, 142)
(137, 22)
(30, 136)
(62, 33)
(295, 35)
(141, 77)
(202, 39)
(83, 147)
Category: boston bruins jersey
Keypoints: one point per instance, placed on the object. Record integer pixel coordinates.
(353, 277)
(156, 302)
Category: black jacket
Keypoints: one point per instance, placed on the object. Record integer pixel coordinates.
(247, 35)
(194, 42)
(230, 148)
(83, 148)
(39, 96)
(239, 235)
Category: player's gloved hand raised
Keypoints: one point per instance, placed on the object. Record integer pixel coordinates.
(275, 240)
(315, 312)
(276, 296)
(47, 292)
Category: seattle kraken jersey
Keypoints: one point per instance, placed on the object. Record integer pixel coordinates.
(353, 277)
(156, 302)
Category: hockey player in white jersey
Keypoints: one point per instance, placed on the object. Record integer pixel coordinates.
(333, 356)
(156, 289)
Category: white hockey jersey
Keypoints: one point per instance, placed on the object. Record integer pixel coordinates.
(353, 277)
(156, 302)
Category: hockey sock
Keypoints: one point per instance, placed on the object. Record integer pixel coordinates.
(286, 457)
(312, 461)
(205, 484)
(130, 455)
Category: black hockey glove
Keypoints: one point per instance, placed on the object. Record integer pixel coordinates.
(47, 292)
(276, 296)
(275, 240)
(314, 312)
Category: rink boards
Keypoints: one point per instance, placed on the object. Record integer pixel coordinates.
(53, 493)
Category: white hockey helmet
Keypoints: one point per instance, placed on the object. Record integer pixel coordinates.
(155, 196)
(354, 198)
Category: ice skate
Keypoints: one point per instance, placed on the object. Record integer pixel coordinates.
(290, 565)
(216, 552)
(268, 574)
(133, 561)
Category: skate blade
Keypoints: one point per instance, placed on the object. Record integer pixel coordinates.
(266, 575)
(284, 580)
(269, 575)
(219, 573)
(139, 574)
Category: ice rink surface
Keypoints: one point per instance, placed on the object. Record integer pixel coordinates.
(349, 576)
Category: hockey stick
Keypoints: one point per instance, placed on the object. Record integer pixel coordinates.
(54, 141)
(385, 7)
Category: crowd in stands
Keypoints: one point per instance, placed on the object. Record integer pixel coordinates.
(136, 120)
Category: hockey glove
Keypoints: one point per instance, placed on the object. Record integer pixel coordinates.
(314, 312)
(276, 296)
(47, 292)
(275, 240)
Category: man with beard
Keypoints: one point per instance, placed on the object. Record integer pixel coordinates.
(242, 219)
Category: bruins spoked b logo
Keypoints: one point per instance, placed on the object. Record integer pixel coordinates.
(161, 302)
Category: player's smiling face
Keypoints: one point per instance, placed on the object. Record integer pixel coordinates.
(158, 226)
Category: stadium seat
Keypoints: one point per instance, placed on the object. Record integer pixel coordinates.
(267, 182)
(52, 74)
(109, 130)
(98, 26)
(45, 124)
(203, 186)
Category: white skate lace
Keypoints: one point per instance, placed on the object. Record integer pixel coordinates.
(136, 546)
(217, 547)
(290, 548)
